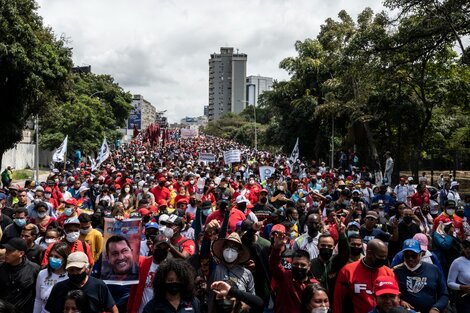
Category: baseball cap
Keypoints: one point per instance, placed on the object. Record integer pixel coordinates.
(372, 214)
(2, 196)
(15, 244)
(241, 199)
(411, 245)
(355, 224)
(77, 259)
(72, 201)
(264, 190)
(151, 225)
(449, 202)
(386, 285)
(72, 221)
(279, 228)
(423, 241)
(161, 239)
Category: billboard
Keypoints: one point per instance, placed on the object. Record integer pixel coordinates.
(135, 118)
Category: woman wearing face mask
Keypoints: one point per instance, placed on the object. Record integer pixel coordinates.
(127, 198)
(51, 236)
(173, 289)
(232, 254)
(52, 274)
(459, 278)
(43, 219)
(315, 300)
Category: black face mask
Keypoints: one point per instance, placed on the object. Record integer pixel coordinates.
(241, 206)
(224, 305)
(264, 200)
(161, 184)
(326, 253)
(77, 279)
(407, 219)
(159, 255)
(299, 274)
(173, 288)
(355, 251)
(379, 263)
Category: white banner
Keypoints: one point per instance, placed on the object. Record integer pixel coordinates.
(59, 154)
(232, 156)
(265, 172)
(206, 157)
(189, 133)
(103, 155)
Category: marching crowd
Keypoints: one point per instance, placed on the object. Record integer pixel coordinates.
(218, 238)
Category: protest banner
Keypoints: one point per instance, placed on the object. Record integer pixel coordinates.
(265, 172)
(206, 157)
(120, 258)
(232, 156)
(189, 133)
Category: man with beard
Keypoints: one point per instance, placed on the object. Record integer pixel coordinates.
(142, 293)
(309, 240)
(355, 282)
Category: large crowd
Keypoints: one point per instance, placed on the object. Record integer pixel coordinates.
(217, 238)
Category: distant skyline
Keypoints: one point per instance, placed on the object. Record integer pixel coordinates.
(160, 48)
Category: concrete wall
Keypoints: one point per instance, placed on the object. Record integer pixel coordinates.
(22, 156)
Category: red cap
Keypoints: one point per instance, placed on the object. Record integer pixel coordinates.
(182, 200)
(263, 190)
(117, 186)
(162, 179)
(162, 202)
(279, 228)
(48, 189)
(144, 211)
(72, 201)
(386, 285)
(119, 174)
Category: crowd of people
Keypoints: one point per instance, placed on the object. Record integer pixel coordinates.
(217, 238)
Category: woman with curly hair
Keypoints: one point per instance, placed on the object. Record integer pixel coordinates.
(173, 289)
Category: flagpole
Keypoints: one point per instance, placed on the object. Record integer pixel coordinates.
(65, 161)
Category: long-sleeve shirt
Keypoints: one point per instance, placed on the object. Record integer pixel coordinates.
(289, 291)
(355, 285)
(459, 273)
(424, 288)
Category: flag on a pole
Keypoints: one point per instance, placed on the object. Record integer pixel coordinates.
(102, 156)
(294, 156)
(59, 154)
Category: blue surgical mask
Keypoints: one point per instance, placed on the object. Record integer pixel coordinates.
(55, 263)
(68, 211)
(207, 212)
(20, 222)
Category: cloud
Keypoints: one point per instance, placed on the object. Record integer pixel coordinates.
(160, 48)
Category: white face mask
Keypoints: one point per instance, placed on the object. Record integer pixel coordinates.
(145, 189)
(50, 241)
(72, 237)
(42, 215)
(167, 231)
(320, 310)
(127, 189)
(450, 212)
(85, 231)
(412, 268)
(230, 255)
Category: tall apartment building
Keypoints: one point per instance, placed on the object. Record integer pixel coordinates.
(227, 83)
(255, 86)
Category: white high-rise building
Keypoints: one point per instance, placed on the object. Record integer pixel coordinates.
(255, 86)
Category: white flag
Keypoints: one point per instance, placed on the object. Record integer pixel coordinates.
(102, 156)
(294, 156)
(59, 154)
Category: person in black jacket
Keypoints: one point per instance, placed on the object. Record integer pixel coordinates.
(18, 276)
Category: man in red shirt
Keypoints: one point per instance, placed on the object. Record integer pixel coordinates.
(235, 215)
(291, 283)
(355, 282)
(449, 213)
(254, 189)
(420, 197)
(180, 247)
(161, 192)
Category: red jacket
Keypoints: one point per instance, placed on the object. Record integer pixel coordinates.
(289, 292)
(135, 297)
(355, 283)
(418, 199)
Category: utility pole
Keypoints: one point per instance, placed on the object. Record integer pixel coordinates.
(36, 157)
(332, 141)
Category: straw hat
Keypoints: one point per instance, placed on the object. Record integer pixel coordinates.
(234, 238)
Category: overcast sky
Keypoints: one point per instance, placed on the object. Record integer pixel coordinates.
(160, 48)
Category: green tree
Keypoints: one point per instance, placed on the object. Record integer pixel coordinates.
(34, 66)
(93, 107)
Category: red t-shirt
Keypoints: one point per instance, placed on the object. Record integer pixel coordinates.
(160, 193)
(235, 216)
(187, 246)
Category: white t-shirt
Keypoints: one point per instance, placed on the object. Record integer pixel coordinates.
(44, 286)
(148, 289)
